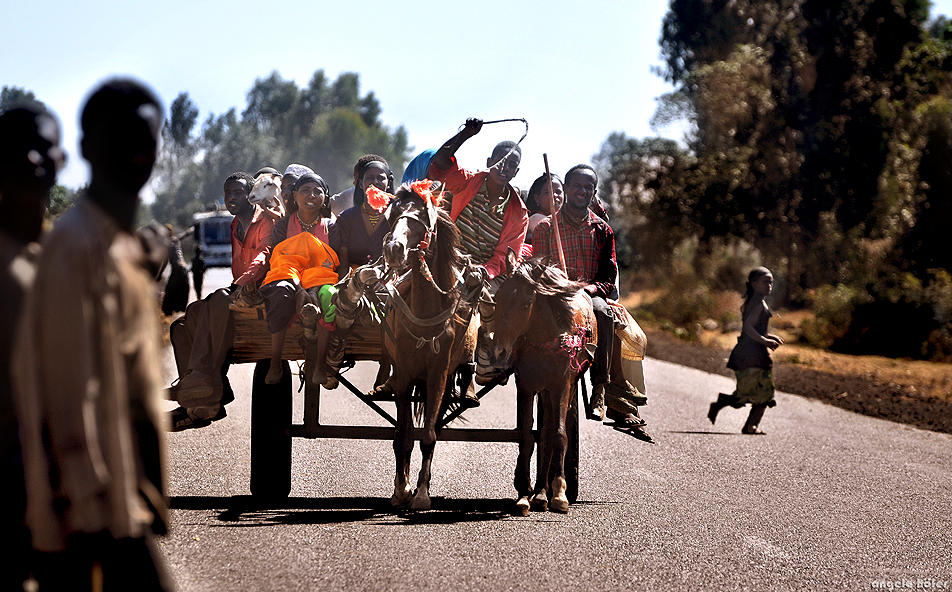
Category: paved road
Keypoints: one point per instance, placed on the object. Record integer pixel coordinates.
(826, 500)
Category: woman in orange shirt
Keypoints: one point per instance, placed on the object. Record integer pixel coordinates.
(302, 276)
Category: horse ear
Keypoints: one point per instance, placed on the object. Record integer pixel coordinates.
(512, 262)
(431, 212)
(538, 272)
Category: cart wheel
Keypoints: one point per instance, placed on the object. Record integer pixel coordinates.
(270, 434)
(572, 451)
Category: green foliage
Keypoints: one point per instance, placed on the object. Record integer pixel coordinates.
(61, 198)
(821, 141)
(833, 308)
(15, 94)
(685, 303)
(898, 315)
(326, 126)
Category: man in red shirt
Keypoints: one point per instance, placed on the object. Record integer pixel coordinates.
(588, 245)
(491, 218)
(485, 205)
(201, 339)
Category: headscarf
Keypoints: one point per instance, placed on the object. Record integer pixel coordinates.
(296, 170)
(310, 177)
(419, 167)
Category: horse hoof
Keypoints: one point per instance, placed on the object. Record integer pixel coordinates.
(559, 504)
(522, 506)
(539, 503)
(420, 502)
(400, 499)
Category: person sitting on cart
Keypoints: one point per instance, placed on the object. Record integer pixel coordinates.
(302, 276)
(588, 245)
(202, 338)
(359, 231)
(491, 219)
(541, 203)
(357, 237)
(291, 174)
(344, 200)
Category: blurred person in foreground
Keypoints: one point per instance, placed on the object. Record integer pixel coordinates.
(87, 378)
(30, 156)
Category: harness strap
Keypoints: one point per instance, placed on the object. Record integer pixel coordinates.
(430, 322)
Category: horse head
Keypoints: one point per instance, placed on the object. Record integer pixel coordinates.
(515, 301)
(533, 288)
(412, 215)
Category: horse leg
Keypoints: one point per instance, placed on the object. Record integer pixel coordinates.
(402, 448)
(540, 498)
(421, 498)
(559, 443)
(434, 404)
(524, 398)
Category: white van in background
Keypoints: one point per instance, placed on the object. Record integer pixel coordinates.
(213, 233)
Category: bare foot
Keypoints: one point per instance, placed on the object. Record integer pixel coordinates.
(319, 375)
(275, 374)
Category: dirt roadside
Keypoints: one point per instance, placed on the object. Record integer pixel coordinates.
(914, 393)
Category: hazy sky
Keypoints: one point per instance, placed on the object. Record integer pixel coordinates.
(575, 70)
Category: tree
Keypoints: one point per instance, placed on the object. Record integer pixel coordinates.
(183, 113)
(327, 126)
(633, 175)
(791, 130)
(10, 95)
(822, 137)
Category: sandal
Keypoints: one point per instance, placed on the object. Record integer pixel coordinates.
(630, 424)
(625, 421)
(182, 420)
(640, 433)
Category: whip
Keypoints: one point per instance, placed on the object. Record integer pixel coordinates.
(526, 133)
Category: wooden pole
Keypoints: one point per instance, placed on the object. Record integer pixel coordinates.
(555, 214)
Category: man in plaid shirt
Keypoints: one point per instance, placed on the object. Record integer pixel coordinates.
(588, 245)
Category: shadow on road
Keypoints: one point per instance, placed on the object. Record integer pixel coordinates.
(247, 511)
(705, 433)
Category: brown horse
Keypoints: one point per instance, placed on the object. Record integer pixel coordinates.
(430, 322)
(548, 322)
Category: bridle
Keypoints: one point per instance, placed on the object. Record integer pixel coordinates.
(427, 217)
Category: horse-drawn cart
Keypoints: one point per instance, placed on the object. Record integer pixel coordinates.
(272, 425)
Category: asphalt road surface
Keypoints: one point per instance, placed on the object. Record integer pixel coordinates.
(826, 500)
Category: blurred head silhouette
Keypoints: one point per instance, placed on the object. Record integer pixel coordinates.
(30, 156)
(120, 129)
